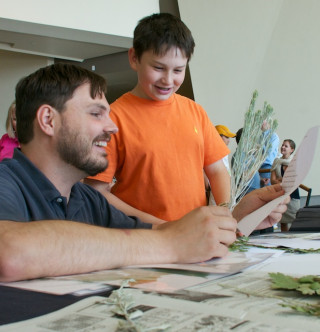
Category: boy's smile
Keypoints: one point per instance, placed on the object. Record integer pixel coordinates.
(159, 76)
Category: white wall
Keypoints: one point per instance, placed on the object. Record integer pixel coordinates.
(115, 17)
(272, 46)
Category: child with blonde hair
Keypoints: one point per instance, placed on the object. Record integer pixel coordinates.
(9, 141)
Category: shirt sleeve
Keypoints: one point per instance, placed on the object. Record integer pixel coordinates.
(12, 203)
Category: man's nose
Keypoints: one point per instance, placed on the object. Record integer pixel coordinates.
(110, 126)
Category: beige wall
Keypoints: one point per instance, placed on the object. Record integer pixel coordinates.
(14, 66)
(105, 16)
(272, 46)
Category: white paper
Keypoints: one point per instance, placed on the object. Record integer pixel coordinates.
(293, 177)
(232, 263)
(58, 287)
(288, 240)
(144, 279)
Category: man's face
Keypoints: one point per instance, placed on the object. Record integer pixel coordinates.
(84, 132)
(265, 125)
(159, 76)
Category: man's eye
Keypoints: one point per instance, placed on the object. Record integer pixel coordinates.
(96, 114)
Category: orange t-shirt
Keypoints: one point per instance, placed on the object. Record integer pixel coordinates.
(159, 152)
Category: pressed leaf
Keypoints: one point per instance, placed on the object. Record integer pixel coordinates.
(308, 278)
(305, 289)
(281, 281)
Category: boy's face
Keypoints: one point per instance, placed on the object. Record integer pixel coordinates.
(159, 76)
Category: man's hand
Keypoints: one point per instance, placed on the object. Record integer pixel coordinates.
(200, 235)
(259, 197)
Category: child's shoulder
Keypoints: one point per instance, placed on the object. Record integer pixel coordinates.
(188, 103)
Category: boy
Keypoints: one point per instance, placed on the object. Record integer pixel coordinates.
(165, 141)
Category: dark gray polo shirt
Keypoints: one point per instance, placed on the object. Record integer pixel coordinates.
(26, 194)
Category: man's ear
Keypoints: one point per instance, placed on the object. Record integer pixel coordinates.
(133, 60)
(47, 117)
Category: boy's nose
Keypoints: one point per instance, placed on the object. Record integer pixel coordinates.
(167, 78)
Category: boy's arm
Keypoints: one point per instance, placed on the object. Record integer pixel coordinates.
(219, 179)
(104, 189)
(58, 247)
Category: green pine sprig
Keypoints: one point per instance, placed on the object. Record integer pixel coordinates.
(306, 308)
(123, 306)
(242, 244)
(252, 148)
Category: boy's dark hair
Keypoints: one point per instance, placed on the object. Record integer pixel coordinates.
(160, 32)
(53, 85)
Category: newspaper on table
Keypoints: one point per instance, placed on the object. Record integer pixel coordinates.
(216, 307)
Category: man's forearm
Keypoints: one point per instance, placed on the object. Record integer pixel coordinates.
(58, 247)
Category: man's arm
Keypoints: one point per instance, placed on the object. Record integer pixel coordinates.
(219, 179)
(104, 189)
(56, 247)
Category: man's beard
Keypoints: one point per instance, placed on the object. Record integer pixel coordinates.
(75, 150)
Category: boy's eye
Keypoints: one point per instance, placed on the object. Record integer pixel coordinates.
(158, 68)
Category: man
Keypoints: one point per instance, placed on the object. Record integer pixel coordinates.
(51, 224)
(271, 155)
